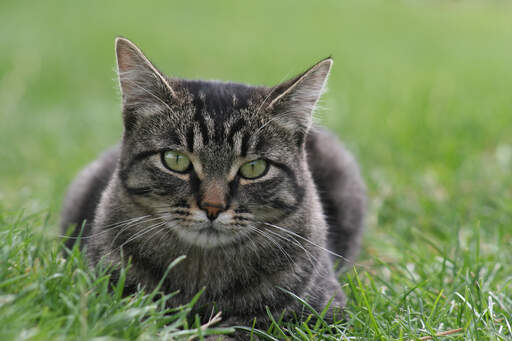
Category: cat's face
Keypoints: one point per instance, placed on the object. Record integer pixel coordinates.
(216, 161)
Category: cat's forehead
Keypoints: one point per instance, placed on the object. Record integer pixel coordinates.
(216, 121)
(221, 99)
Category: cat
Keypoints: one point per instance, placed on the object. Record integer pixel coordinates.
(234, 177)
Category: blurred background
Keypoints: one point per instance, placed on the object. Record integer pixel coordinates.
(420, 92)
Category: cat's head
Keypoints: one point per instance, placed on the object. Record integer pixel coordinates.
(217, 161)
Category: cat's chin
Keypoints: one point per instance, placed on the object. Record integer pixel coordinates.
(207, 237)
(207, 234)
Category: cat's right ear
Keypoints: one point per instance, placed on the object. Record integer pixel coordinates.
(140, 81)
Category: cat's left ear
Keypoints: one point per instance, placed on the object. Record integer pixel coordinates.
(294, 101)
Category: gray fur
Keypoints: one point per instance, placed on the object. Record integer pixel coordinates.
(312, 191)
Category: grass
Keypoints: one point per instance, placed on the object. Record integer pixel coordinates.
(420, 91)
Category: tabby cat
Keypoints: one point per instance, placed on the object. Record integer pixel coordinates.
(233, 176)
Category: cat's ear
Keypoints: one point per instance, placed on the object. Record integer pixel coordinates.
(294, 101)
(140, 81)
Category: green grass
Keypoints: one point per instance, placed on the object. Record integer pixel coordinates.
(420, 91)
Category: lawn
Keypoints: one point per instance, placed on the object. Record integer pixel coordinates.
(420, 92)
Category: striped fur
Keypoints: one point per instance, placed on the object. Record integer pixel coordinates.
(274, 229)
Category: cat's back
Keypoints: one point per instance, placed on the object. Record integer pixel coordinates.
(85, 192)
(341, 190)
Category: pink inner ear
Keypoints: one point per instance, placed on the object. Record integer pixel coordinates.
(128, 56)
(124, 61)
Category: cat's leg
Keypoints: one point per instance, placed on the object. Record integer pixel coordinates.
(341, 190)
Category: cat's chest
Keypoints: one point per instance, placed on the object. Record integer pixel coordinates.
(217, 273)
(223, 284)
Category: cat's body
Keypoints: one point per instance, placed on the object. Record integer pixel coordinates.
(246, 231)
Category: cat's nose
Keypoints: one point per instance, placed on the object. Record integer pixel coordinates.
(213, 200)
(212, 209)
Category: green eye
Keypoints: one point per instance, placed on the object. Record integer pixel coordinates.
(254, 169)
(176, 161)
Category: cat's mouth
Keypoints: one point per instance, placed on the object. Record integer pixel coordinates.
(213, 228)
(199, 230)
(207, 235)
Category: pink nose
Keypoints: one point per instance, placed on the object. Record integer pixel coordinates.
(212, 209)
(213, 201)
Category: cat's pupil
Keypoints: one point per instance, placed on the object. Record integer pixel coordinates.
(176, 161)
(254, 169)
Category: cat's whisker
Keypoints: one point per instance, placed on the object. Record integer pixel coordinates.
(274, 242)
(124, 221)
(254, 245)
(130, 226)
(293, 240)
(107, 228)
(150, 237)
(310, 242)
(138, 235)
(257, 244)
(173, 226)
(162, 228)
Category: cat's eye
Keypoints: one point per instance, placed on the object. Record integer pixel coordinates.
(176, 161)
(254, 169)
